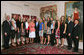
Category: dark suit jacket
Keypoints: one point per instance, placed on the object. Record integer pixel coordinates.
(70, 27)
(76, 31)
(6, 27)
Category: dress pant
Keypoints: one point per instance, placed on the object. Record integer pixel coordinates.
(37, 39)
(69, 41)
(6, 41)
(76, 44)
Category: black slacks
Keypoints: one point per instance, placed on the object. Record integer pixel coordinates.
(37, 39)
(69, 42)
(6, 41)
(76, 44)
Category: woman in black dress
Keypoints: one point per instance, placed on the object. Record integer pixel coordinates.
(22, 30)
(57, 31)
(18, 23)
(48, 30)
(63, 30)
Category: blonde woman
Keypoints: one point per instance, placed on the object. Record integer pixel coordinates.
(57, 31)
(48, 30)
(13, 29)
(27, 31)
(32, 31)
(23, 30)
(63, 26)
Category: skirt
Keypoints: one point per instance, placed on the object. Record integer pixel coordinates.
(57, 35)
(13, 33)
(23, 33)
(18, 34)
(45, 33)
(40, 33)
(27, 34)
(49, 32)
(32, 34)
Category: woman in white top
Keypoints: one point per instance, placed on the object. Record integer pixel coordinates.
(13, 29)
(27, 31)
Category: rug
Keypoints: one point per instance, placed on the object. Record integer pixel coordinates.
(37, 48)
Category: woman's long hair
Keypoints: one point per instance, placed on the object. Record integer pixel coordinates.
(63, 19)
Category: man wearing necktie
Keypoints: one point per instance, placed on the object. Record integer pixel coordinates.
(6, 28)
(69, 32)
(75, 35)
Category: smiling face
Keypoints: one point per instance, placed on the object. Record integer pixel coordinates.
(43, 19)
(69, 18)
(62, 18)
(51, 18)
(57, 18)
(8, 17)
(76, 22)
(75, 9)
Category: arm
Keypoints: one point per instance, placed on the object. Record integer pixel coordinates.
(53, 25)
(42, 27)
(78, 32)
(58, 27)
(22, 27)
(4, 28)
(46, 25)
(13, 25)
(71, 28)
(65, 28)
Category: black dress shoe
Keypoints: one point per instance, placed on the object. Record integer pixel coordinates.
(69, 48)
(74, 51)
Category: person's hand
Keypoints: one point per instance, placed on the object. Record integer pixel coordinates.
(52, 31)
(15, 29)
(64, 32)
(18, 31)
(76, 37)
(41, 31)
(27, 31)
(22, 31)
(5, 34)
(69, 34)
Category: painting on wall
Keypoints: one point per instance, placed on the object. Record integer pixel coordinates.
(50, 11)
(69, 11)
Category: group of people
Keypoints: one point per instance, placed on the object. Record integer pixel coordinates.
(45, 30)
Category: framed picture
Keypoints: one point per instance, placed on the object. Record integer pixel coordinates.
(69, 11)
(48, 11)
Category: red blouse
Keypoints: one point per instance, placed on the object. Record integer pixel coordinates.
(76, 15)
(31, 26)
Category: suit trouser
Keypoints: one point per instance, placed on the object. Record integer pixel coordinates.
(76, 44)
(69, 41)
(6, 41)
(37, 39)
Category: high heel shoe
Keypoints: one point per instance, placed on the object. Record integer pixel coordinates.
(22, 42)
(44, 42)
(13, 45)
(47, 43)
(61, 46)
(56, 45)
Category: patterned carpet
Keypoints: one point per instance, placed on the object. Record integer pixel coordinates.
(37, 48)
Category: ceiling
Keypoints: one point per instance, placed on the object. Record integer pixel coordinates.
(39, 2)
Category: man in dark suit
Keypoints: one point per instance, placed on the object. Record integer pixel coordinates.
(37, 39)
(70, 26)
(6, 28)
(75, 35)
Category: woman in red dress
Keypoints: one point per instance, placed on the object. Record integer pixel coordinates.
(76, 14)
